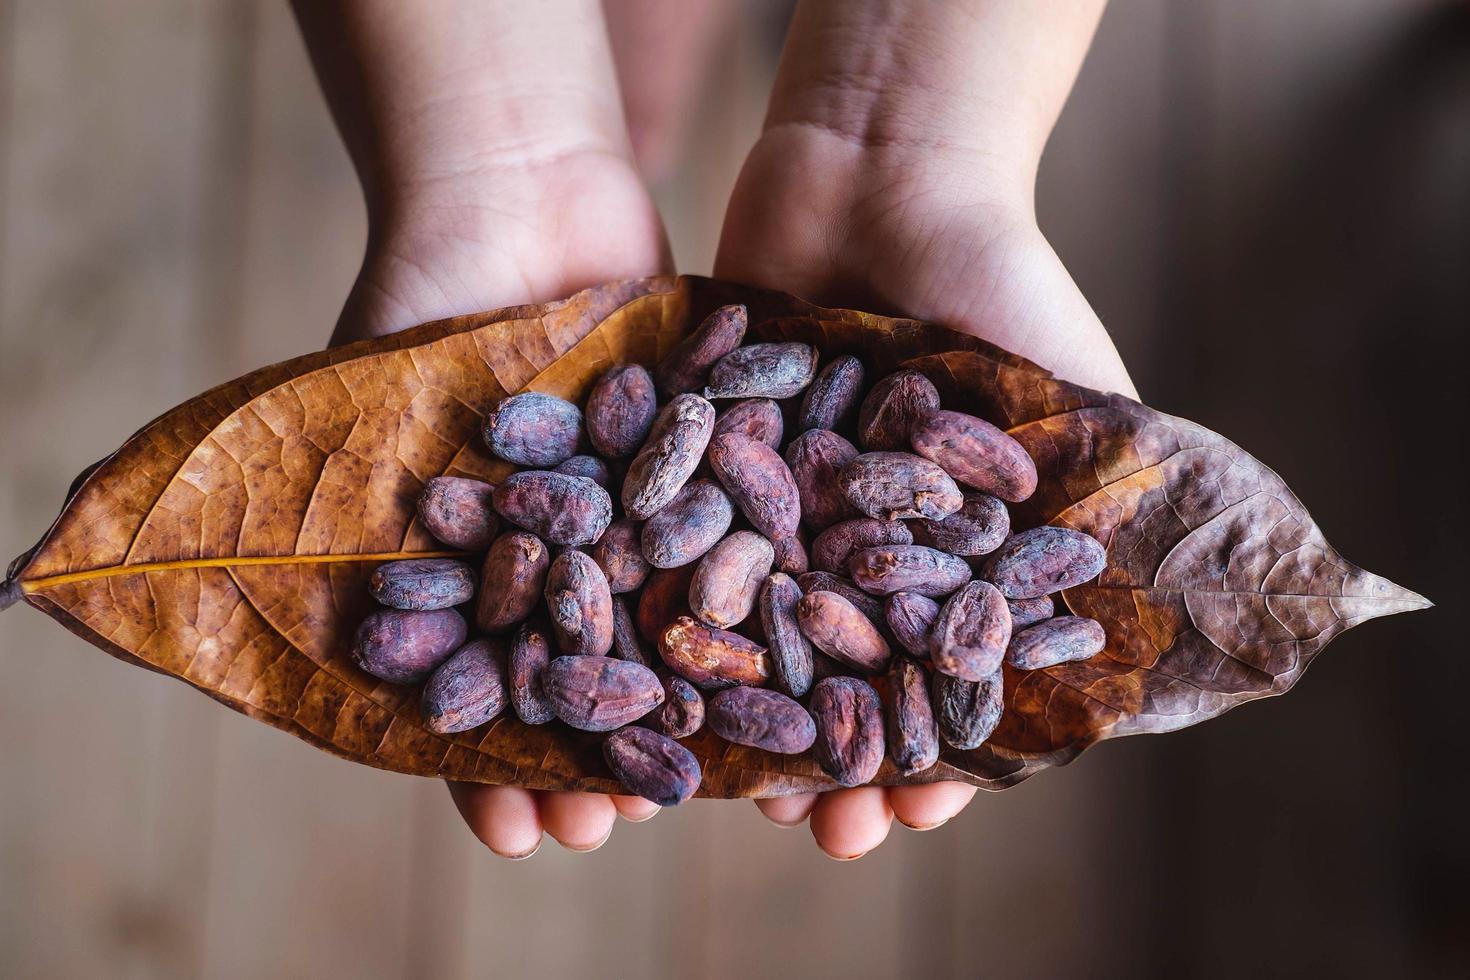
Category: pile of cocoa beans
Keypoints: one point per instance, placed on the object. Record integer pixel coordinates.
(768, 586)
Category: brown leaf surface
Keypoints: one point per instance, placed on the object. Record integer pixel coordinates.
(228, 542)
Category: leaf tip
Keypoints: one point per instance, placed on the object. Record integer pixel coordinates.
(10, 593)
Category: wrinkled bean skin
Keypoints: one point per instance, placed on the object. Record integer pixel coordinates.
(1044, 560)
(627, 645)
(1029, 612)
(459, 512)
(403, 646)
(849, 729)
(687, 365)
(620, 556)
(831, 398)
(791, 556)
(534, 429)
(423, 583)
(513, 578)
(815, 459)
(683, 710)
(674, 449)
(869, 606)
(893, 406)
(834, 547)
(530, 652)
(755, 418)
(758, 481)
(791, 654)
(837, 628)
(976, 454)
(599, 694)
(967, 711)
(907, 568)
(664, 599)
(911, 619)
(762, 719)
(893, 486)
(580, 605)
(561, 509)
(913, 734)
(589, 467)
(728, 579)
(620, 410)
(763, 371)
(977, 528)
(688, 526)
(971, 633)
(653, 766)
(1056, 641)
(712, 658)
(468, 689)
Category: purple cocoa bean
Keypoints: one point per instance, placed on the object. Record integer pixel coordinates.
(403, 646)
(561, 509)
(652, 766)
(849, 720)
(977, 528)
(712, 658)
(688, 364)
(1029, 612)
(689, 525)
(620, 410)
(683, 710)
(728, 579)
(514, 576)
(911, 619)
(763, 371)
(1044, 560)
(829, 402)
(758, 481)
(891, 409)
(834, 547)
(580, 605)
(816, 458)
(530, 652)
(681, 432)
(1056, 641)
(976, 454)
(588, 467)
(599, 694)
(761, 719)
(971, 633)
(423, 583)
(837, 628)
(907, 568)
(459, 512)
(755, 418)
(534, 429)
(468, 689)
(619, 554)
(967, 711)
(791, 654)
(913, 734)
(893, 486)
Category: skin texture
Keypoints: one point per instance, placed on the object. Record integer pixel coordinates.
(495, 176)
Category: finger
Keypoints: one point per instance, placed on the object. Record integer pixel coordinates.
(503, 817)
(635, 809)
(849, 823)
(578, 821)
(787, 811)
(926, 807)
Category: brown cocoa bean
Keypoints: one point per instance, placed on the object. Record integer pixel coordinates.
(1056, 641)
(459, 512)
(652, 766)
(423, 583)
(664, 599)
(791, 556)
(688, 526)
(728, 579)
(561, 509)
(907, 568)
(913, 734)
(1029, 612)
(833, 549)
(827, 582)
(831, 398)
(682, 713)
(849, 721)
(976, 454)
(755, 418)
(977, 528)
(468, 689)
(580, 605)
(534, 429)
(1044, 560)
(971, 633)
(620, 410)
(674, 449)
(815, 459)
(619, 553)
(762, 719)
(892, 486)
(404, 646)
(588, 467)
(758, 481)
(513, 578)
(530, 652)
(837, 628)
(627, 644)
(763, 371)
(712, 658)
(791, 654)
(688, 364)
(599, 694)
(967, 711)
(891, 409)
(910, 619)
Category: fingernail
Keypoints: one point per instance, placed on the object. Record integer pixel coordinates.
(784, 825)
(584, 850)
(642, 819)
(925, 826)
(850, 857)
(518, 857)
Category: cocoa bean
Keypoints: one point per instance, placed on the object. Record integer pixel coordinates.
(913, 735)
(530, 652)
(687, 365)
(1044, 560)
(791, 556)
(620, 556)
(971, 633)
(837, 628)
(580, 605)
(891, 409)
(1029, 612)
(907, 568)
(664, 599)
(758, 481)
(829, 401)
(682, 713)
(833, 549)
(423, 583)
(849, 721)
(977, 528)
(724, 588)
(688, 526)
(976, 454)
(910, 619)
(763, 371)
(589, 467)
(1056, 641)
(967, 711)
(755, 418)
(468, 689)
(827, 582)
(712, 658)
(627, 645)
(762, 719)
(404, 646)
(674, 449)
(652, 766)
(791, 654)
(816, 458)
(534, 429)
(513, 578)
(459, 512)
(892, 486)
(561, 509)
(599, 694)
(620, 410)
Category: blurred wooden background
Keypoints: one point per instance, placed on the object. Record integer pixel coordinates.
(1268, 203)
